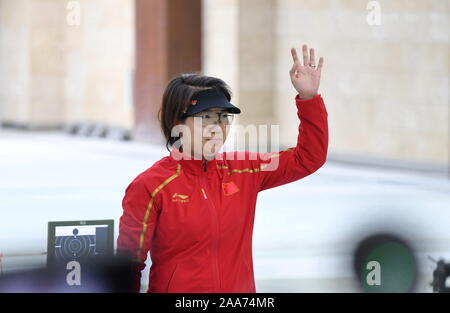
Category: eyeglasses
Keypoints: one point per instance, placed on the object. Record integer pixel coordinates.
(210, 119)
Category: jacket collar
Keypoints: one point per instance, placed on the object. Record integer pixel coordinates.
(194, 166)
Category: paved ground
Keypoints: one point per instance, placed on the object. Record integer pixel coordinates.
(304, 233)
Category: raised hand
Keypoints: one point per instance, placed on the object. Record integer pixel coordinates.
(306, 78)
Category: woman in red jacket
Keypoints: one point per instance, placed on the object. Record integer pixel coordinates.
(193, 210)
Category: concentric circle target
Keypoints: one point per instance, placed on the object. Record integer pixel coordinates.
(74, 247)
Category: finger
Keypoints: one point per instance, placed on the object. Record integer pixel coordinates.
(293, 69)
(305, 55)
(312, 58)
(294, 55)
(319, 67)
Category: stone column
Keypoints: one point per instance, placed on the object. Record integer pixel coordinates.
(32, 63)
(168, 42)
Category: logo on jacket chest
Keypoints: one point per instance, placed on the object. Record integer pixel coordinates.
(176, 197)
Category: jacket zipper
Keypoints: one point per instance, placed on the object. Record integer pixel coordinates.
(215, 235)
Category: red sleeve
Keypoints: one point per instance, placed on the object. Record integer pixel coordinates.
(136, 228)
(307, 156)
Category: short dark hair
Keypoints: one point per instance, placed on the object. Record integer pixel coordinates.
(177, 97)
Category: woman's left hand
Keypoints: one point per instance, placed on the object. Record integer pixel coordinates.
(306, 78)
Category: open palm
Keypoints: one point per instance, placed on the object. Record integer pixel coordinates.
(306, 78)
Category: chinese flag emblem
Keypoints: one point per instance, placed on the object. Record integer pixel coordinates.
(229, 188)
(194, 102)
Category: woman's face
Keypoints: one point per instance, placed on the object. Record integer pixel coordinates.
(207, 134)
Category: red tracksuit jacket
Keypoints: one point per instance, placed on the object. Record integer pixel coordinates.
(196, 218)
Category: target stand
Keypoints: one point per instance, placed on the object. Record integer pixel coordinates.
(74, 246)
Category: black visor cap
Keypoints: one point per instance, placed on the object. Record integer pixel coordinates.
(207, 99)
